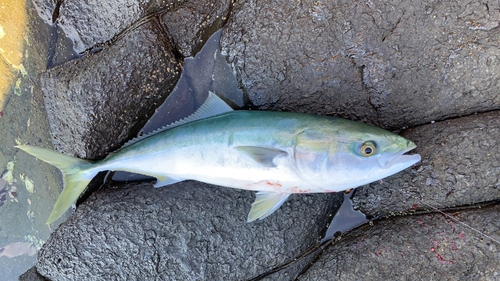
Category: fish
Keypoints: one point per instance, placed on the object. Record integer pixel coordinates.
(274, 153)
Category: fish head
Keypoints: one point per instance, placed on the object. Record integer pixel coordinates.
(349, 154)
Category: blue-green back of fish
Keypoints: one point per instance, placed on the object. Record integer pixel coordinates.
(275, 153)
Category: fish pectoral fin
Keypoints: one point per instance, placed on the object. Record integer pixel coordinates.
(263, 155)
(164, 180)
(265, 204)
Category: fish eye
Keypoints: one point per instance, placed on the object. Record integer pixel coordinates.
(368, 149)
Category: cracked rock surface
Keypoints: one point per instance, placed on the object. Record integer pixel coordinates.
(389, 63)
(430, 247)
(83, 94)
(187, 231)
(393, 63)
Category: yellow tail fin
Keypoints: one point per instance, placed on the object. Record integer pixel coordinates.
(77, 174)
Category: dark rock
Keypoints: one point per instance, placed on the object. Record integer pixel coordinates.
(89, 23)
(32, 275)
(428, 247)
(192, 23)
(185, 231)
(45, 9)
(94, 23)
(392, 64)
(96, 103)
(460, 166)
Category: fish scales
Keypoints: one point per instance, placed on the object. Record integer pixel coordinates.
(205, 151)
(274, 153)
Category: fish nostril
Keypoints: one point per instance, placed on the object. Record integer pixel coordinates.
(409, 143)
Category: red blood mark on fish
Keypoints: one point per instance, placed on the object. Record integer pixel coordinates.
(276, 184)
(264, 184)
(297, 189)
(1, 113)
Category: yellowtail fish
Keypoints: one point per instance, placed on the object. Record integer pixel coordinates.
(274, 153)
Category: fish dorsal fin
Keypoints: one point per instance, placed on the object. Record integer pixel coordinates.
(212, 106)
(265, 204)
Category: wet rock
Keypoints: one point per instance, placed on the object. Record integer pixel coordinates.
(188, 231)
(44, 9)
(428, 247)
(93, 23)
(392, 64)
(89, 23)
(207, 71)
(96, 103)
(32, 275)
(460, 166)
(192, 23)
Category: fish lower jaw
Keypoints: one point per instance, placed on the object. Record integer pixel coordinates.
(406, 160)
(389, 161)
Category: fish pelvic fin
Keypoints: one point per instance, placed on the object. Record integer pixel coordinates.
(265, 204)
(77, 174)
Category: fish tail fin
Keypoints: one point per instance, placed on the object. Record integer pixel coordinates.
(77, 174)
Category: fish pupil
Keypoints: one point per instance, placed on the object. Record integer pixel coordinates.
(368, 150)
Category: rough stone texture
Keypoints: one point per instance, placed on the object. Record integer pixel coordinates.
(185, 231)
(429, 247)
(92, 22)
(191, 24)
(460, 166)
(390, 63)
(44, 9)
(94, 104)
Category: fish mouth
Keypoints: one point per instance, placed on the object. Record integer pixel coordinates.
(400, 158)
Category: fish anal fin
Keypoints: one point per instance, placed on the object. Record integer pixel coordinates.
(263, 155)
(265, 204)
